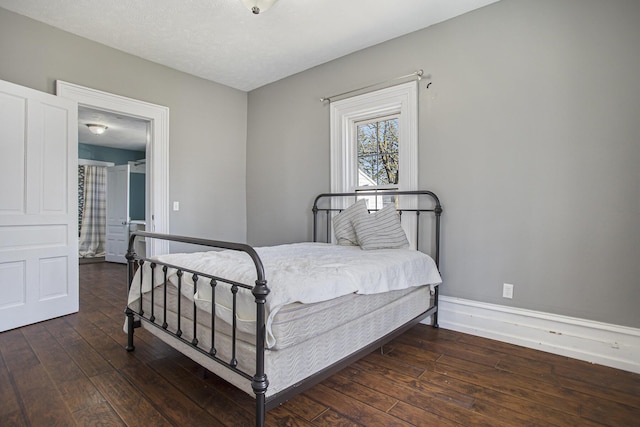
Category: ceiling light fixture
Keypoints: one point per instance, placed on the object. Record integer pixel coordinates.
(96, 129)
(257, 6)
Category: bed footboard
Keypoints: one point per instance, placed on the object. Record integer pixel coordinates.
(260, 291)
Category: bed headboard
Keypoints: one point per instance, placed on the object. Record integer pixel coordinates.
(413, 203)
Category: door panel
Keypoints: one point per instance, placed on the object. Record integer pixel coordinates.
(12, 284)
(38, 204)
(117, 213)
(54, 162)
(12, 125)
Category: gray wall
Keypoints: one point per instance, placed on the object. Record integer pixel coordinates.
(207, 120)
(530, 134)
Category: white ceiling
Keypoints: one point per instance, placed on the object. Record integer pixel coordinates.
(222, 41)
(128, 133)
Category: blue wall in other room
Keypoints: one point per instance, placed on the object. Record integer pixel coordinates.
(107, 154)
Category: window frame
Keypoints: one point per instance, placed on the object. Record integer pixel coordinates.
(345, 114)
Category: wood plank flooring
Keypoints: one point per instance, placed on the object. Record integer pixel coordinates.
(74, 371)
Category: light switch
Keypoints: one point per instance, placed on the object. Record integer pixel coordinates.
(176, 206)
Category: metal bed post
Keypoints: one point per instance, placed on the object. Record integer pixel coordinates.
(315, 222)
(259, 382)
(130, 255)
(438, 212)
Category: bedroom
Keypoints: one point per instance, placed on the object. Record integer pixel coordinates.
(529, 134)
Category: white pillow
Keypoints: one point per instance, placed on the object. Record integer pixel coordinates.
(342, 223)
(380, 230)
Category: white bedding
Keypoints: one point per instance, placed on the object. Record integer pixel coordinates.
(300, 272)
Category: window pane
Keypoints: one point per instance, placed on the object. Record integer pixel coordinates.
(377, 202)
(378, 152)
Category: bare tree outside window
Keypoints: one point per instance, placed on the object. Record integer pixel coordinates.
(378, 151)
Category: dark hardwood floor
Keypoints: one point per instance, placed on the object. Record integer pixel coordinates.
(74, 371)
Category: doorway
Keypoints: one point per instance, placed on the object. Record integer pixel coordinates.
(111, 182)
(157, 149)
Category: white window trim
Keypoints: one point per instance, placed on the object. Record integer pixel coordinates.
(345, 113)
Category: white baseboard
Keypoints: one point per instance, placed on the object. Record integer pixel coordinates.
(595, 342)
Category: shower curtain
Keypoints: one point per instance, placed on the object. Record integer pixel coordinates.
(92, 211)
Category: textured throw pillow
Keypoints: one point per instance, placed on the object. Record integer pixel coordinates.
(342, 223)
(380, 230)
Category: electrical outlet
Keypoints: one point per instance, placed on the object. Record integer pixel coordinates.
(507, 290)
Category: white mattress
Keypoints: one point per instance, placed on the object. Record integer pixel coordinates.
(303, 272)
(287, 366)
(296, 323)
(293, 324)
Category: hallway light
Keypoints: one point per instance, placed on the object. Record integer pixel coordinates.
(96, 129)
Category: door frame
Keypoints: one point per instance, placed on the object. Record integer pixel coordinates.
(157, 168)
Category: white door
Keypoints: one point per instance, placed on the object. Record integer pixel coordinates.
(117, 213)
(38, 206)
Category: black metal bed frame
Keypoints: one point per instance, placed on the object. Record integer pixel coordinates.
(260, 291)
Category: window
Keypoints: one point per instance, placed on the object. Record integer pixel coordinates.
(378, 158)
(374, 144)
(374, 140)
(377, 144)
